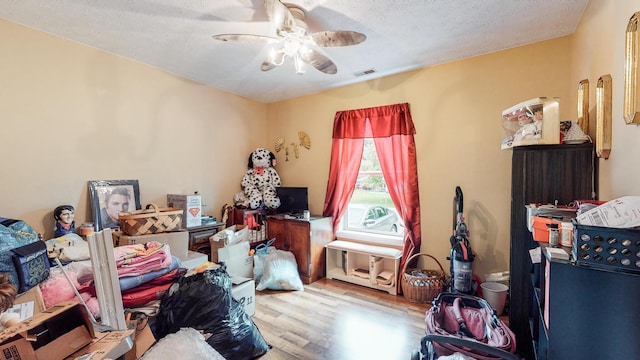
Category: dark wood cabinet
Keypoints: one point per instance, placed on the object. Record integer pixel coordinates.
(306, 239)
(541, 174)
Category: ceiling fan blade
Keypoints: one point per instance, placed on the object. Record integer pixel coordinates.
(280, 15)
(338, 38)
(319, 61)
(246, 38)
(272, 61)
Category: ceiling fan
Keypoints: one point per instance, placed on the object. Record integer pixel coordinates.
(293, 39)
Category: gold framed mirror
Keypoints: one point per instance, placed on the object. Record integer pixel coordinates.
(583, 105)
(631, 100)
(603, 116)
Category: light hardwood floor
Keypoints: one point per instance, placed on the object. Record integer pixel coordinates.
(336, 320)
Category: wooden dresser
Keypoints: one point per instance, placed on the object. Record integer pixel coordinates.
(306, 239)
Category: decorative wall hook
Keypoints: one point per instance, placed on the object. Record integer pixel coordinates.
(305, 142)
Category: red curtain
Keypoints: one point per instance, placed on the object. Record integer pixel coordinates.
(392, 129)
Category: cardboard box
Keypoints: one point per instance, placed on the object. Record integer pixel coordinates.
(107, 345)
(229, 236)
(52, 334)
(178, 241)
(244, 291)
(143, 339)
(237, 258)
(33, 295)
(192, 206)
(193, 260)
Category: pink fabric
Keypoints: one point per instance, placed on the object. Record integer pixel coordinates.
(392, 129)
(138, 259)
(57, 289)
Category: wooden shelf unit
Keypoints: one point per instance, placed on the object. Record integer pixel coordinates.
(345, 257)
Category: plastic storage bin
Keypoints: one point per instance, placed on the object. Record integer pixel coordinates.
(607, 248)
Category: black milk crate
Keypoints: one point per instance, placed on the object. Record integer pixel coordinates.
(607, 248)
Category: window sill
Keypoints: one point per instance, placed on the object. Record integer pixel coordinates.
(377, 239)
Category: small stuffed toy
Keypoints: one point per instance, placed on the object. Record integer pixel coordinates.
(261, 180)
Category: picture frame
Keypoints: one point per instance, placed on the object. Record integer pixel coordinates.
(603, 116)
(631, 105)
(583, 105)
(122, 195)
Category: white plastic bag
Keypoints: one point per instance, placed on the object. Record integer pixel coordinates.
(259, 259)
(280, 272)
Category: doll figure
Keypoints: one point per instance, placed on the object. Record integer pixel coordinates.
(8, 294)
(64, 220)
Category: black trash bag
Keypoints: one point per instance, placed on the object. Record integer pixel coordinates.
(203, 302)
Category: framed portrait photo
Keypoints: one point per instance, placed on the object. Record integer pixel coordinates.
(111, 197)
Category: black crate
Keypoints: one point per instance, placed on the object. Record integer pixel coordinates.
(607, 248)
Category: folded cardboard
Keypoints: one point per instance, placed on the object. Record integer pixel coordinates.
(52, 334)
(107, 345)
(143, 339)
(178, 241)
(237, 259)
(244, 291)
(191, 205)
(232, 235)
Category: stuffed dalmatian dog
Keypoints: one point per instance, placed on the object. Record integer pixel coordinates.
(261, 180)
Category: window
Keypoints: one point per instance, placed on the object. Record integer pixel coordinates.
(391, 129)
(370, 209)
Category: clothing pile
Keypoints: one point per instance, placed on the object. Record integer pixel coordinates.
(145, 272)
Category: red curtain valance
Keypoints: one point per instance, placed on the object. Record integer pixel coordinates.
(380, 121)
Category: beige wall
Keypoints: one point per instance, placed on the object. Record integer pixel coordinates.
(599, 49)
(456, 108)
(70, 114)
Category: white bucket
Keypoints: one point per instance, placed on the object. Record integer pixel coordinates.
(495, 294)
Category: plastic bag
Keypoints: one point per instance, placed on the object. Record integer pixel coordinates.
(186, 344)
(280, 272)
(260, 257)
(203, 301)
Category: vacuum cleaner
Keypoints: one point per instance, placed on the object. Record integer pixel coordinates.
(461, 255)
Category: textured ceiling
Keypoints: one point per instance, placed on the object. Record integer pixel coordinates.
(401, 35)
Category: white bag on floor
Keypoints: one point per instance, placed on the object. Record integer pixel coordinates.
(186, 344)
(280, 272)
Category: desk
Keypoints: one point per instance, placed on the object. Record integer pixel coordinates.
(199, 237)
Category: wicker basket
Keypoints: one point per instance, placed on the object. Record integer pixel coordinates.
(151, 220)
(422, 286)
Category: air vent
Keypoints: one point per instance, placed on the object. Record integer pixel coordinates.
(365, 72)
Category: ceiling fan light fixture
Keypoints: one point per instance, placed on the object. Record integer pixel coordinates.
(295, 41)
(299, 64)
